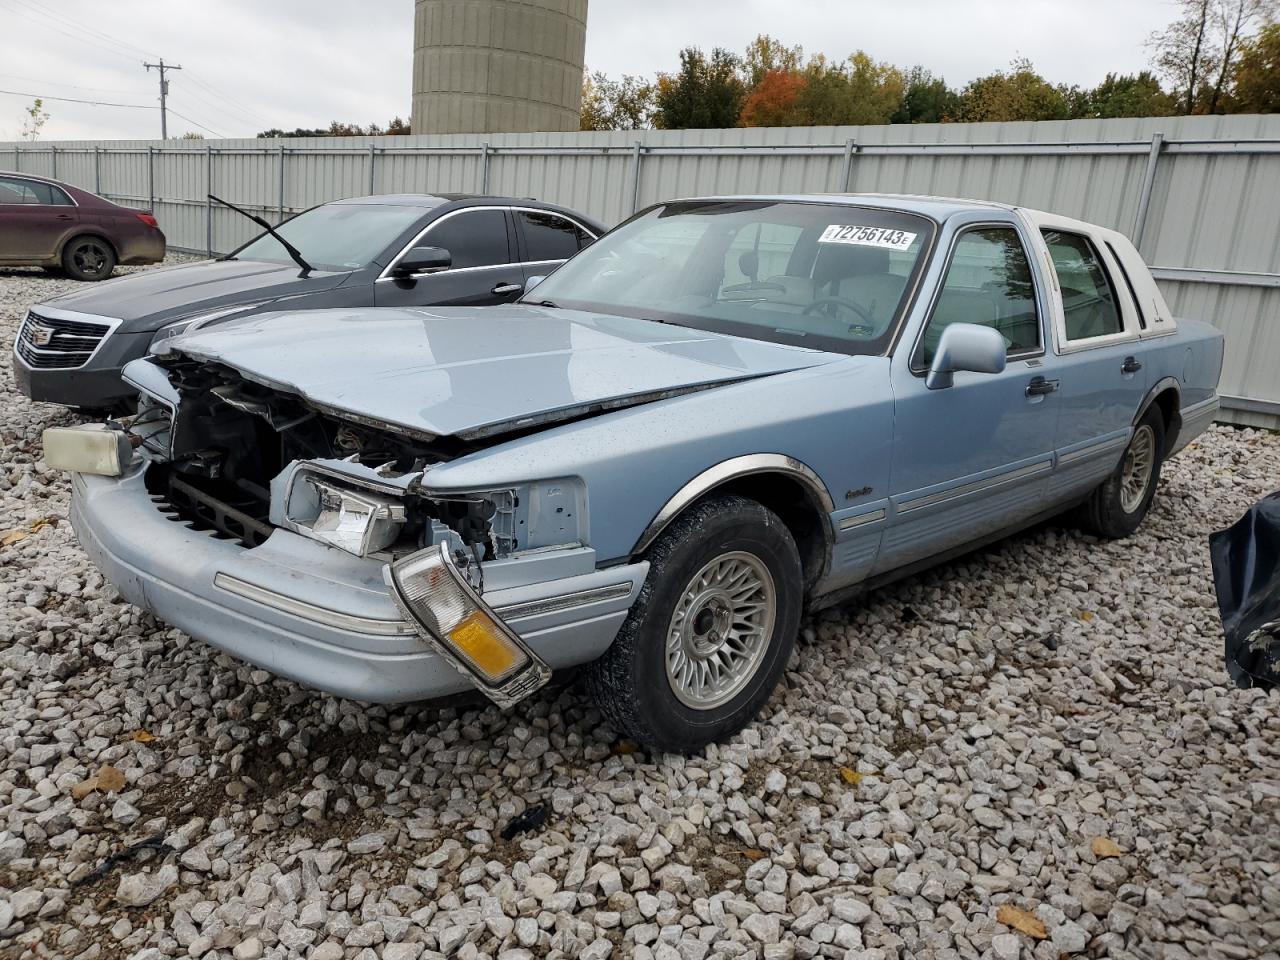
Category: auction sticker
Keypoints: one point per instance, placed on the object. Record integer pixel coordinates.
(867, 236)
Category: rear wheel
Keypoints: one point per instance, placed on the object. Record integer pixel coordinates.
(88, 258)
(710, 634)
(1117, 507)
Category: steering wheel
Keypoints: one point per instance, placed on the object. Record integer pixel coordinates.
(857, 308)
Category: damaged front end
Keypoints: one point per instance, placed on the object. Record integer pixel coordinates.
(1246, 576)
(242, 460)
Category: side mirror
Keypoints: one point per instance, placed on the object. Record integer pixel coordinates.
(533, 282)
(965, 346)
(422, 260)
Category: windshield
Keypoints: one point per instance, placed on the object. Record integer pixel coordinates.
(336, 236)
(822, 275)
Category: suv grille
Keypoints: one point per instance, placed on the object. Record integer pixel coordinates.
(47, 343)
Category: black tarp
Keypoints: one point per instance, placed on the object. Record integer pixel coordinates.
(1246, 575)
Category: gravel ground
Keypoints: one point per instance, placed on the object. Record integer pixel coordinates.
(1046, 726)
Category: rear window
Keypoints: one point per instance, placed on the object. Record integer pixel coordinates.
(549, 236)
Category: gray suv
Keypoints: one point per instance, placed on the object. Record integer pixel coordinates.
(395, 250)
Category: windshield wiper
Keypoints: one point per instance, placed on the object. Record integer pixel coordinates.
(289, 247)
(547, 303)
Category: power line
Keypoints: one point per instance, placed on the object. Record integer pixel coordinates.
(164, 92)
(33, 6)
(72, 86)
(222, 96)
(66, 33)
(200, 125)
(94, 103)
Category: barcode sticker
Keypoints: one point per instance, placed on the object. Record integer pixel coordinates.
(867, 236)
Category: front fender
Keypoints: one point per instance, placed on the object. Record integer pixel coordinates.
(835, 420)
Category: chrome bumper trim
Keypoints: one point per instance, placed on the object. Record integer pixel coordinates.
(310, 611)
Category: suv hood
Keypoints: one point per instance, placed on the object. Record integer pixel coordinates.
(474, 372)
(146, 301)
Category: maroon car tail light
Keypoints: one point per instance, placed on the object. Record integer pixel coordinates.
(148, 219)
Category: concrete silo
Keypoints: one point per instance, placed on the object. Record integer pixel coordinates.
(489, 66)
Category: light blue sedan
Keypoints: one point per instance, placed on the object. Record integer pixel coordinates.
(725, 411)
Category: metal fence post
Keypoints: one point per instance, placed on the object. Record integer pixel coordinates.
(846, 169)
(17, 157)
(151, 178)
(637, 153)
(484, 169)
(208, 204)
(1148, 184)
(97, 170)
(373, 153)
(53, 152)
(280, 186)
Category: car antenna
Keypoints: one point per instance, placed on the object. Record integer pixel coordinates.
(289, 247)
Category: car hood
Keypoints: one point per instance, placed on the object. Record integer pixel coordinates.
(146, 301)
(475, 372)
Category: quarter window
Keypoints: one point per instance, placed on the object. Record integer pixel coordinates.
(989, 283)
(474, 238)
(1088, 299)
(551, 237)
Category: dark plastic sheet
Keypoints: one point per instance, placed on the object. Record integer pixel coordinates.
(1246, 576)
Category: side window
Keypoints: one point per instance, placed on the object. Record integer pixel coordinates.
(1088, 298)
(989, 283)
(474, 238)
(13, 190)
(551, 237)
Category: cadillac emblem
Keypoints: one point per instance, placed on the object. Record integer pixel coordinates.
(41, 336)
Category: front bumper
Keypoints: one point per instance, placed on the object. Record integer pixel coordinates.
(96, 384)
(320, 616)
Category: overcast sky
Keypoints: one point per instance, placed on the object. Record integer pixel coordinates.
(250, 64)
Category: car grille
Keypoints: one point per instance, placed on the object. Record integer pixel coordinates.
(66, 343)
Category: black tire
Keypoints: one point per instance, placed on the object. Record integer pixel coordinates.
(631, 682)
(1111, 510)
(88, 258)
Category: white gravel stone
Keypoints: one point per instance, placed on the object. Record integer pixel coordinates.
(1002, 710)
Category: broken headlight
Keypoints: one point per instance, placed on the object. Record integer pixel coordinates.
(358, 521)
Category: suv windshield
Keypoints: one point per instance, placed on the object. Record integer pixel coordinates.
(336, 236)
(821, 275)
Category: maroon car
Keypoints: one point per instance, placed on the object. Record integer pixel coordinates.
(45, 223)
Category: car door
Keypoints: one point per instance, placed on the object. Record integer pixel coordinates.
(547, 239)
(1103, 380)
(34, 219)
(974, 458)
(484, 268)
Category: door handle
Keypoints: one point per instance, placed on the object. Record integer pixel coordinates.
(502, 289)
(65, 216)
(1040, 387)
(1131, 365)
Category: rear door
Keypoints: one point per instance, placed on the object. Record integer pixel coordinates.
(1103, 378)
(35, 217)
(485, 268)
(547, 239)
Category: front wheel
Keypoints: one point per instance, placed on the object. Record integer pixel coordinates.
(1119, 505)
(88, 258)
(710, 634)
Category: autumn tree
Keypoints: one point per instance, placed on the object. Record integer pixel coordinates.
(1128, 96)
(706, 93)
(774, 101)
(854, 91)
(926, 99)
(1255, 80)
(1020, 94)
(766, 55)
(625, 104)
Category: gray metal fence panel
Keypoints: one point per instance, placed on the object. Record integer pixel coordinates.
(1201, 195)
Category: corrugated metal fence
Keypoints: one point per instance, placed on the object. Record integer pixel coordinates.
(1199, 195)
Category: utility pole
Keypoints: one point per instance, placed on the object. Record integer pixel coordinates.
(164, 91)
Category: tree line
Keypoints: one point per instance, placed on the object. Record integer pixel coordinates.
(1217, 56)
